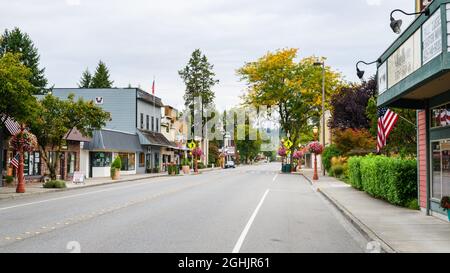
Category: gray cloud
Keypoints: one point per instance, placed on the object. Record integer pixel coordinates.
(140, 39)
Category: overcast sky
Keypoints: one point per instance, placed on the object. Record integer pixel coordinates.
(139, 39)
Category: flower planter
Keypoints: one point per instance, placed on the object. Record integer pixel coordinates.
(286, 168)
(116, 175)
(186, 169)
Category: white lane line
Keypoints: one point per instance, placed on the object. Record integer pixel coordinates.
(275, 177)
(241, 239)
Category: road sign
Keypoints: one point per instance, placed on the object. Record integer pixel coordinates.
(288, 144)
(192, 145)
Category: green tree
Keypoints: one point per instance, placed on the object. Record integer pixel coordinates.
(16, 99)
(199, 79)
(213, 152)
(86, 79)
(16, 91)
(292, 87)
(57, 118)
(101, 77)
(16, 41)
(248, 148)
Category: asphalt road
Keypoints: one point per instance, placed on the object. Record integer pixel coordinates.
(247, 209)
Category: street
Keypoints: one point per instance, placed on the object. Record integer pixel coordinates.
(247, 209)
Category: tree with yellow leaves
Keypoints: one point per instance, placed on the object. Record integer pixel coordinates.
(294, 88)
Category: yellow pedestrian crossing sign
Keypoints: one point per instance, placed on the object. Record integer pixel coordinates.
(192, 145)
(288, 144)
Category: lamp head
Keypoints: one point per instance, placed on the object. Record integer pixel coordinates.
(360, 73)
(315, 130)
(396, 25)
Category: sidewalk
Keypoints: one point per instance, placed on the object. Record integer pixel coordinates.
(36, 188)
(397, 229)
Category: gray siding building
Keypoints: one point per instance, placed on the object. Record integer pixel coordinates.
(133, 133)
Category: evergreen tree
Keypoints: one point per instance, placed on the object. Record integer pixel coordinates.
(86, 79)
(101, 77)
(198, 77)
(16, 41)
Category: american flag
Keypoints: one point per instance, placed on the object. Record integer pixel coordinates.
(15, 161)
(12, 126)
(386, 122)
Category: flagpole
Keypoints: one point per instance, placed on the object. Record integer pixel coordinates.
(407, 121)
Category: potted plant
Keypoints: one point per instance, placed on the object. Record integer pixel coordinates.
(171, 169)
(445, 204)
(115, 168)
(185, 165)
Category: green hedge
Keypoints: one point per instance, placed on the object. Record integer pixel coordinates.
(392, 179)
(329, 152)
(55, 184)
(354, 172)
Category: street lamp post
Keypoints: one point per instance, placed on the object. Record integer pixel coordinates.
(323, 104)
(315, 176)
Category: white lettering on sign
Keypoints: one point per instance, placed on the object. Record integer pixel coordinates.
(405, 60)
(432, 37)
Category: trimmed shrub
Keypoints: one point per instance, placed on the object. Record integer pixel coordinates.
(9, 179)
(337, 170)
(354, 172)
(391, 179)
(55, 184)
(413, 204)
(329, 152)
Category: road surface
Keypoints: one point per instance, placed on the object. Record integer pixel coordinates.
(247, 209)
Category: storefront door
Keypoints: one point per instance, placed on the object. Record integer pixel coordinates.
(440, 176)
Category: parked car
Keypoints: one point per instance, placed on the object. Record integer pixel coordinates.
(230, 164)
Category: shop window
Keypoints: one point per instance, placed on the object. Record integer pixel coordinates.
(32, 164)
(101, 159)
(128, 161)
(440, 116)
(141, 160)
(71, 162)
(441, 169)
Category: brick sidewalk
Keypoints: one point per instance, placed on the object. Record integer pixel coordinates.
(398, 229)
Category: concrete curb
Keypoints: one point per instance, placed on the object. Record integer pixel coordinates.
(94, 185)
(360, 226)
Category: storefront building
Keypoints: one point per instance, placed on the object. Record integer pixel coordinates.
(414, 73)
(133, 133)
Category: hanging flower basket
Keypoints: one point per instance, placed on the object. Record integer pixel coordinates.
(315, 148)
(282, 152)
(197, 152)
(24, 139)
(297, 155)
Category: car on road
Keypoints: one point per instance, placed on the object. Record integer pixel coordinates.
(230, 164)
